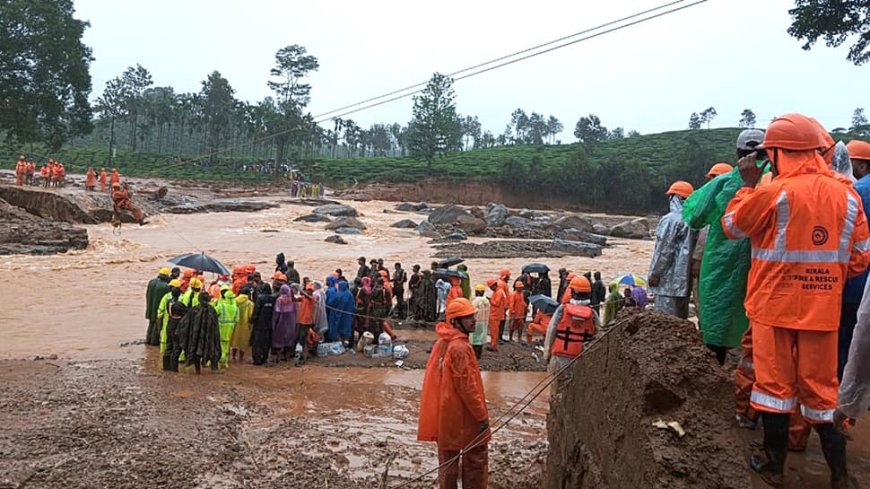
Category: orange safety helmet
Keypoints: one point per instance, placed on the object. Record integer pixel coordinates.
(859, 150)
(681, 188)
(827, 142)
(580, 284)
(490, 282)
(279, 276)
(795, 132)
(570, 276)
(505, 272)
(459, 308)
(719, 169)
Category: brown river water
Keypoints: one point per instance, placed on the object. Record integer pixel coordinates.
(85, 305)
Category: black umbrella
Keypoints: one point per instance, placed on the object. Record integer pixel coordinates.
(536, 268)
(445, 273)
(449, 262)
(544, 303)
(200, 261)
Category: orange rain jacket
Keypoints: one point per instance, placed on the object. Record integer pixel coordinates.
(452, 404)
(90, 178)
(808, 233)
(498, 304)
(517, 305)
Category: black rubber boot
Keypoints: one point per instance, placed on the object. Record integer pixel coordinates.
(771, 464)
(834, 449)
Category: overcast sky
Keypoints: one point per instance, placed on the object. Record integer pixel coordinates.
(729, 54)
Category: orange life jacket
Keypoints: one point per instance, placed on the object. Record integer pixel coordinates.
(575, 326)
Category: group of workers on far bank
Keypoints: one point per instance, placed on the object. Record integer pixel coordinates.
(52, 173)
(774, 254)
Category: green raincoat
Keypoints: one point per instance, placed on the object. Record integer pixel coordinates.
(725, 265)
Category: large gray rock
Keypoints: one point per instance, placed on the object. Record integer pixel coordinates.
(407, 207)
(601, 229)
(345, 222)
(336, 239)
(447, 215)
(404, 224)
(580, 223)
(471, 224)
(496, 214)
(634, 229)
(457, 236)
(312, 218)
(577, 248)
(427, 230)
(575, 235)
(517, 222)
(336, 210)
(347, 230)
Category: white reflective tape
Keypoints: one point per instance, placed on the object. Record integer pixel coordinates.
(775, 403)
(820, 415)
(783, 214)
(745, 364)
(799, 256)
(849, 225)
(732, 228)
(862, 246)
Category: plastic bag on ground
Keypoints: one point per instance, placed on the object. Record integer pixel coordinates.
(400, 352)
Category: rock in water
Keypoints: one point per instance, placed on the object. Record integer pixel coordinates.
(338, 210)
(601, 229)
(444, 216)
(575, 235)
(517, 222)
(404, 224)
(496, 214)
(471, 224)
(457, 236)
(407, 207)
(312, 218)
(634, 229)
(345, 222)
(576, 248)
(574, 221)
(347, 230)
(336, 239)
(427, 230)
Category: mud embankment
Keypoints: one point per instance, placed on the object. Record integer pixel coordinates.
(21, 232)
(652, 368)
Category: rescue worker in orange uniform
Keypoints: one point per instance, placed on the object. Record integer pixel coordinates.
(115, 177)
(58, 175)
(102, 180)
(45, 173)
(20, 170)
(121, 201)
(29, 171)
(670, 268)
(90, 180)
(539, 325)
(566, 295)
(572, 324)
(453, 404)
(517, 309)
(498, 305)
(808, 234)
(504, 278)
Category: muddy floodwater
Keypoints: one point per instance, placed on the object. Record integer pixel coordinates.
(95, 411)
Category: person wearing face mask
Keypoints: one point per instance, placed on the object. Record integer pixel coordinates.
(671, 262)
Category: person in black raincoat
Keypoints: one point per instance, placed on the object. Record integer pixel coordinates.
(176, 312)
(280, 263)
(261, 334)
(563, 283)
(426, 302)
(199, 335)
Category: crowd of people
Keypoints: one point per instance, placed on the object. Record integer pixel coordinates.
(307, 190)
(52, 173)
(774, 254)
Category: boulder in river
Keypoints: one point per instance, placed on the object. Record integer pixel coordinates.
(336, 239)
(345, 222)
(580, 223)
(404, 224)
(576, 248)
(517, 222)
(601, 229)
(447, 215)
(427, 230)
(312, 218)
(457, 236)
(408, 207)
(634, 229)
(496, 214)
(575, 235)
(337, 210)
(471, 224)
(348, 230)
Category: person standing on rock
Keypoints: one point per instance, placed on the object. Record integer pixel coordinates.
(90, 180)
(572, 324)
(103, 177)
(157, 288)
(261, 333)
(808, 234)
(498, 304)
(453, 409)
(671, 262)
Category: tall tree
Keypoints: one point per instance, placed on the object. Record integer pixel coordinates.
(589, 130)
(747, 118)
(554, 127)
(292, 65)
(134, 81)
(44, 78)
(218, 104)
(835, 21)
(859, 122)
(617, 133)
(633, 134)
(694, 121)
(110, 105)
(435, 127)
(470, 130)
(708, 115)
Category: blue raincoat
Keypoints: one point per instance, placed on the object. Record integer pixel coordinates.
(342, 306)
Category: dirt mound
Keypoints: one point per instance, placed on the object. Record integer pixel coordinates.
(25, 233)
(652, 367)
